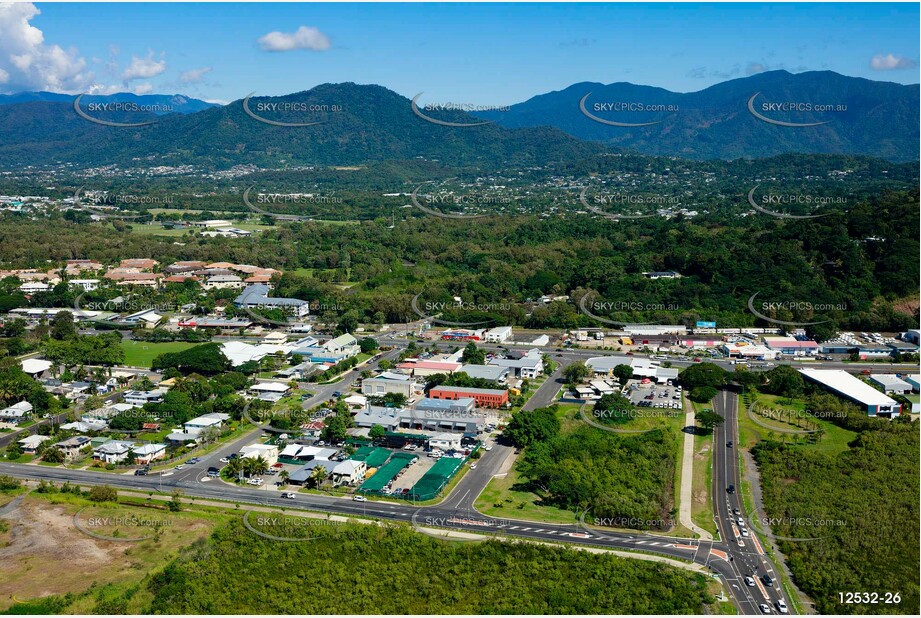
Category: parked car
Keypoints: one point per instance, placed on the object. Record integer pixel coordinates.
(254, 481)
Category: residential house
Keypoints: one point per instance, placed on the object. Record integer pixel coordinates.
(71, 446)
(113, 451)
(146, 453)
(31, 443)
(16, 413)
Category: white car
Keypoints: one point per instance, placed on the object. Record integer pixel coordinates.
(487, 448)
(256, 482)
(360, 499)
(740, 521)
(765, 609)
(749, 582)
(745, 532)
(289, 495)
(782, 607)
(224, 460)
(473, 466)
(179, 467)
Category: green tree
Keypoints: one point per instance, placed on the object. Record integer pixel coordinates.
(473, 355)
(709, 419)
(531, 426)
(62, 326)
(377, 432)
(575, 373)
(103, 493)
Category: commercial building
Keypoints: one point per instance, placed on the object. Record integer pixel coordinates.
(891, 383)
(387, 382)
(493, 373)
(423, 368)
(427, 418)
(791, 346)
(847, 386)
(256, 296)
(642, 368)
(499, 334)
(529, 366)
(269, 452)
(484, 397)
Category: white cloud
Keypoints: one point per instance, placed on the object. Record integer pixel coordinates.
(194, 75)
(305, 37)
(145, 88)
(890, 62)
(143, 68)
(27, 63)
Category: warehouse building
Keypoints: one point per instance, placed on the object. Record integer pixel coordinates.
(847, 386)
(891, 383)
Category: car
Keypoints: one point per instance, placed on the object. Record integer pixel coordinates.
(360, 499)
(288, 495)
(729, 444)
(697, 359)
(194, 460)
(781, 606)
(140, 472)
(473, 466)
(740, 521)
(767, 580)
(179, 467)
(736, 512)
(749, 581)
(337, 394)
(487, 448)
(765, 609)
(745, 532)
(224, 460)
(731, 489)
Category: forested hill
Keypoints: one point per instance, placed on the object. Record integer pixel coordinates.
(355, 124)
(869, 117)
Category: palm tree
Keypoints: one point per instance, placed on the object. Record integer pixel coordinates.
(283, 476)
(318, 475)
(260, 465)
(235, 467)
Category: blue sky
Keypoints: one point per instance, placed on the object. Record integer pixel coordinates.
(478, 53)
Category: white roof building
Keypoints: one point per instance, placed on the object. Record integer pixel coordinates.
(34, 366)
(891, 383)
(845, 385)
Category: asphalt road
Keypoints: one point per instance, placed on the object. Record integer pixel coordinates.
(748, 557)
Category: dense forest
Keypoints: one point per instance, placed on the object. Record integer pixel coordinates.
(854, 514)
(360, 569)
(861, 264)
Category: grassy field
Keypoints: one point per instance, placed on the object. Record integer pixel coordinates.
(141, 353)
(834, 439)
(157, 229)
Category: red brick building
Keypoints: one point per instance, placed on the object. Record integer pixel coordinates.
(484, 397)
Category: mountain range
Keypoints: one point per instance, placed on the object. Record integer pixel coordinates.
(878, 119)
(350, 124)
(160, 104)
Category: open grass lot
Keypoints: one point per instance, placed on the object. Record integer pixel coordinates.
(833, 439)
(157, 229)
(142, 353)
